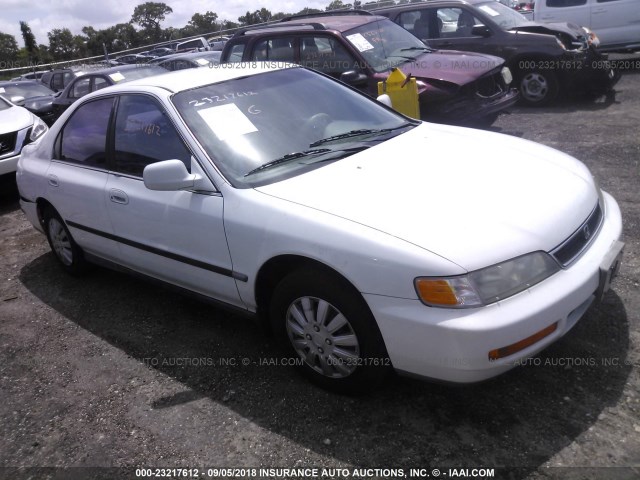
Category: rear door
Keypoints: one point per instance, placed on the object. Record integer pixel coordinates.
(78, 174)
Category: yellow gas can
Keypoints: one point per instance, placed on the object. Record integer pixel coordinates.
(403, 92)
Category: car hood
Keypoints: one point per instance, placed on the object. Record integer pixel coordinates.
(451, 66)
(14, 119)
(473, 197)
(574, 31)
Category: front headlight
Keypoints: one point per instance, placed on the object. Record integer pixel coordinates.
(39, 129)
(562, 45)
(592, 38)
(487, 285)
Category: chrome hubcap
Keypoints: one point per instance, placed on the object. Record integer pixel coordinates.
(534, 87)
(323, 337)
(60, 241)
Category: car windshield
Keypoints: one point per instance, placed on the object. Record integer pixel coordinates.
(504, 16)
(384, 44)
(273, 125)
(26, 90)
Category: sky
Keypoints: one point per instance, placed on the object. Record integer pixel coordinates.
(45, 15)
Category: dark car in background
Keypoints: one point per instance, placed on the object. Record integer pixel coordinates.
(545, 59)
(182, 61)
(32, 95)
(96, 80)
(57, 79)
(133, 58)
(361, 49)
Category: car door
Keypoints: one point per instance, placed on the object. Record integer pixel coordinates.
(175, 236)
(616, 22)
(574, 11)
(450, 28)
(77, 176)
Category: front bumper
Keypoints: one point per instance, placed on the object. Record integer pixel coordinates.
(470, 108)
(454, 345)
(8, 164)
(589, 71)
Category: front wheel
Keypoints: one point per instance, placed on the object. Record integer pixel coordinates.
(538, 87)
(325, 322)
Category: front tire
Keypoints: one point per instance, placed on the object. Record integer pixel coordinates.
(67, 252)
(326, 323)
(538, 88)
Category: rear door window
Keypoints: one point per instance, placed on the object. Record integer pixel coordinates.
(83, 139)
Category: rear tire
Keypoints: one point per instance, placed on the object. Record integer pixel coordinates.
(322, 320)
(67, 252)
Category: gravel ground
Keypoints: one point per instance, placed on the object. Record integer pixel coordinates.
(112, 371)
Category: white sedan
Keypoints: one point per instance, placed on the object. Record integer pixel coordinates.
(18, 127)
(368, 240)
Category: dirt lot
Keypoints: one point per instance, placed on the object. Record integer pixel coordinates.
(111, 371)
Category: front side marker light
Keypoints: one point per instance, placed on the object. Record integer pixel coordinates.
(514, 348)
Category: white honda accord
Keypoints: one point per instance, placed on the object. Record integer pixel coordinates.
(369, 241)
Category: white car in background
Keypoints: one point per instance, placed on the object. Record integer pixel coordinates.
(369, 241)
(616, 23)
(18, 127)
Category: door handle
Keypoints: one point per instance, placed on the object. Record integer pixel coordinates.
(446, 44)
(118, 196)
(53, 181)
(597, 12)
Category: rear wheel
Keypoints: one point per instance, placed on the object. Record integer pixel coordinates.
(326, 323)
(538, 87)
(67, 252)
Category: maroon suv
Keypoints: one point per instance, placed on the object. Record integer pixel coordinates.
(361, 49)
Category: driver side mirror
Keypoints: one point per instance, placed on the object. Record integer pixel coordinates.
(354, 78)
(480, 31)
(172, 175)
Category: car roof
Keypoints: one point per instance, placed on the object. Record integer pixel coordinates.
(340, 23)
(187, 56)
(430, 3)
(198, 77)
(118, 68)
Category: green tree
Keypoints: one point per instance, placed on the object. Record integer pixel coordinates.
(259, 16)
(149, 15)
(61, 44)
(29, 39)
(8, 47)
(336, 5)
(307, 11)
(201, 24)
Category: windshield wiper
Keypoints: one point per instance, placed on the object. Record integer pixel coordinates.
(287, 158)
(426, 49)
(358, 133)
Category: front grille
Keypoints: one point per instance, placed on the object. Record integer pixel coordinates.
(8, 142)
(572, 247)
(490, 85)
